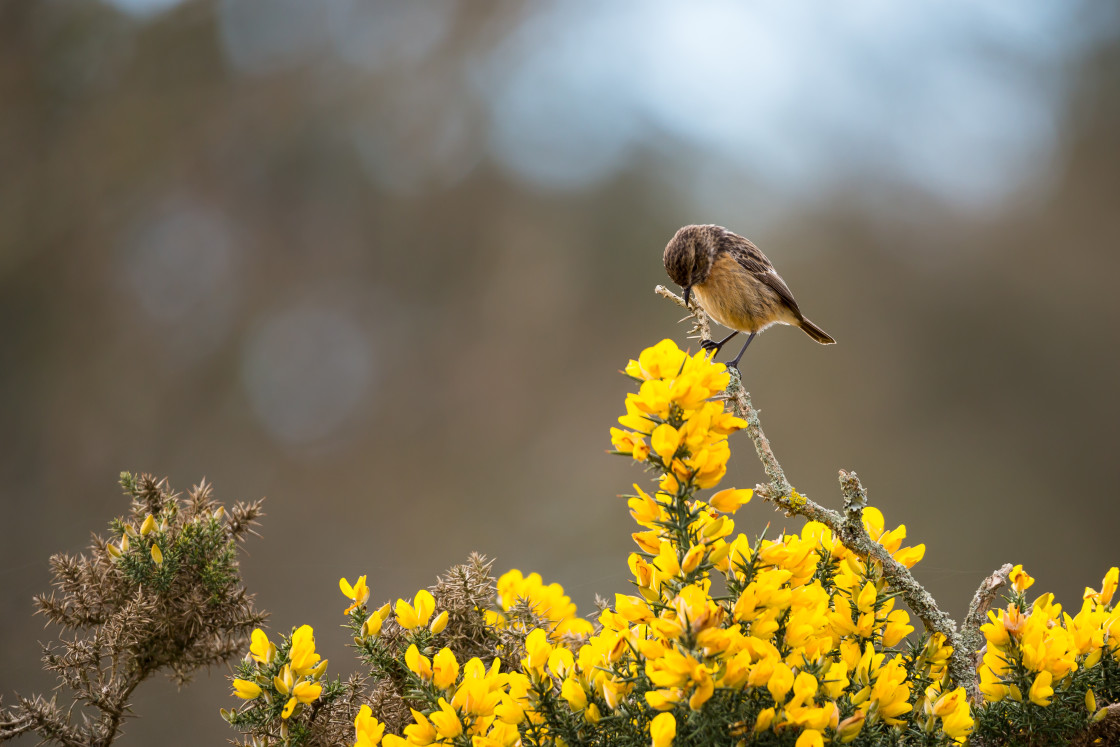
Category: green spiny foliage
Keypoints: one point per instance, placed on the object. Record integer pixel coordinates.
(162, 594)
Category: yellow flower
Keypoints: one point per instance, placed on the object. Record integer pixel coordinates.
(692, 558)
(367, 729)
(665, 441)
(284, 681)
(148, 526)
(358, 593)
(911, 556)
(260, 648)
(439, 623)
(1020, 579)
(302, 654)
(372, 625)
(420, 665)
(728, 501)
(662, 360)
(1041, 692)
(305, 691)
(663, 730)
(422, 732)
(781, 681)
(574, 693)
(810, 738)
(446, 721)
(445, 669)
(246, 689)
(1108, 585)
(411, 617)
(547, 601)
(157, 555)
(1108, 588)
(625, 442)
(289, 708)
(849, 728)
(537, 650)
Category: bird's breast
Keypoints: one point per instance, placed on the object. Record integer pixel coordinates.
(736, 299)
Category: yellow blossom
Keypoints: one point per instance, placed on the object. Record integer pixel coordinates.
(245, 689)
(547, 601)
(422, 731)
(157, 555)
(260, 648)
(663, 730)
(444, 668)
(148, 526)
(358, 593)
(446, 721)
(415, 616)
(439, 623)
(665, 441)
(419, 664)
(728, 501)
(1041, 691)
(305, 691)
(849, 728)
(302, 653)
(810, 738)
(573, 692)
(1020, 579)
(367, 729)
(284, 681)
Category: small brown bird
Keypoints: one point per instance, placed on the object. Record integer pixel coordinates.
(734, 283)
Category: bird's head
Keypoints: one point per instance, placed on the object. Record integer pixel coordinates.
(689, 255)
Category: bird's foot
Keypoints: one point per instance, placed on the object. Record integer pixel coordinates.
(712, 347)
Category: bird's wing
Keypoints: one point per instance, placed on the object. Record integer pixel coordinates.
(751, 258)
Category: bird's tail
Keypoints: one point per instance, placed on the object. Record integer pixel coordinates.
(816, 332)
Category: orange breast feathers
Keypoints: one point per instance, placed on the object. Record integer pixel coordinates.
(736, 299)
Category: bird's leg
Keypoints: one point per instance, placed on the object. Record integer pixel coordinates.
(735, 363)
(714, 347)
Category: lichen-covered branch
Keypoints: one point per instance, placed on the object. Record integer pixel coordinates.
(701, 328)
(971, 637)
(850, 530)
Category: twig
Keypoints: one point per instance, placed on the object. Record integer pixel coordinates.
(971, 637)
(700, 325)
(850, 530)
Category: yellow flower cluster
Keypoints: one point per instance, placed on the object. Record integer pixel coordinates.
(549, 602)
(147, 528)
(800, 643)
(293, 680)
(1031, 653)
(790, 639)
(687, 432)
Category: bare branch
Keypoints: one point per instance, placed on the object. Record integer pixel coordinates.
(700, 326)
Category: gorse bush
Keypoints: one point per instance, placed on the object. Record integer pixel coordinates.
(162, 593)
(727, 636)
(728, 639)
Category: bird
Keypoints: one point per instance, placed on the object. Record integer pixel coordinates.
(734, 283)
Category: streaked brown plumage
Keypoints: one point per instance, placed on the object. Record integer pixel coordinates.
(734, 283)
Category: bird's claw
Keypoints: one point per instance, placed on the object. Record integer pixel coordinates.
(710, 345)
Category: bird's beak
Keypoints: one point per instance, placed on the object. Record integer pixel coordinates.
(687, 294)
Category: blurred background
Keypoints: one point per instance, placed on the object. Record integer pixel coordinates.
(382, 262)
